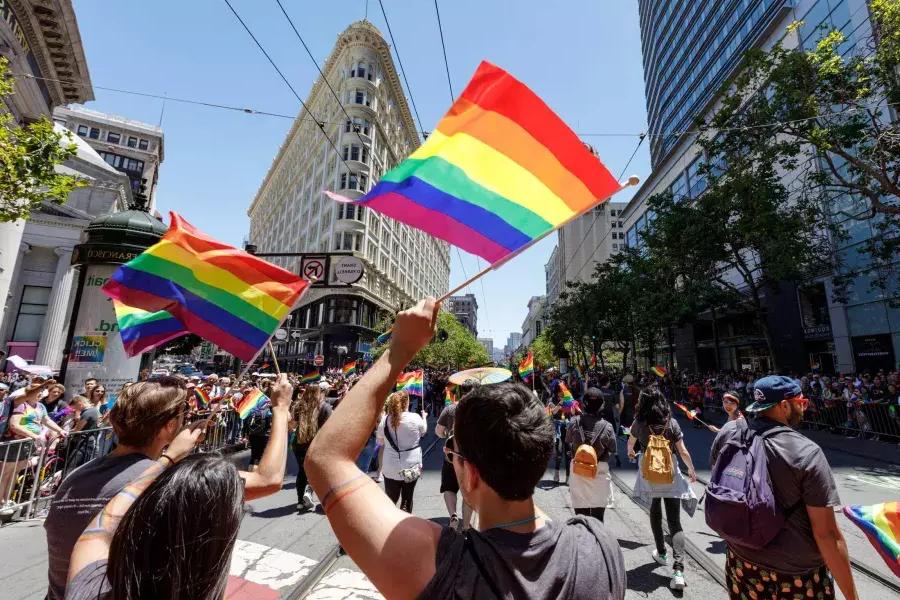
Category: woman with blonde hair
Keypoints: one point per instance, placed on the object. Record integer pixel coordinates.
(308, 413)
(400, 433)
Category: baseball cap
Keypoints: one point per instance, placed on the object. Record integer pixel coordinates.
(770, 390)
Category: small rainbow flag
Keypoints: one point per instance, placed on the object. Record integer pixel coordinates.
(498, 172)
(881, 524)
(691, 414)
(569, 405)
(311, 377)
(526, 367)
(201, 398)
(450, 396)
(659, 371)
(413, 383)
(252, 400)
(349, 368)
(222, 294)
(383, 338)
(142, 330)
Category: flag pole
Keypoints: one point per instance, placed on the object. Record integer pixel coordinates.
(632, 181)
(274, 358)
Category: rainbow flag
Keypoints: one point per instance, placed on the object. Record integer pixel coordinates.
(659, 371)
(413, 383)
(311, 377)
(201, 398)
(498, 172)
(349, 368)
(142, 330)
(450, 396)
(251, 400)
(568, 405)
(216, 291)
(526, 367)
(383, 338)
(691, 414)
(881, 524)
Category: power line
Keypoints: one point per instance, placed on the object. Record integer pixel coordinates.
(324, 79)
(402, 70)
(287, 83)
(437, 11)
(597, 214)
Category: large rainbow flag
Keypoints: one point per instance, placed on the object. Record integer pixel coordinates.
(251, 400)
(881, 524)
(142, 330)
(526, 367)
(222, 294)
(500, 171)
(413, 383)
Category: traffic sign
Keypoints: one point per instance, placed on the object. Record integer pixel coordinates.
(313, 267)
(281, 334)
(296, 335)
(319, 360)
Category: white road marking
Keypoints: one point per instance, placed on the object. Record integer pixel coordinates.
(345, 584)
(268, 566)
(891, 482)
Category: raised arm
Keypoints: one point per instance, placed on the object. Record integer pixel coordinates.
(378, 536)
(269, 477)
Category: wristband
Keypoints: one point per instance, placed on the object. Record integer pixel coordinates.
(168, 458)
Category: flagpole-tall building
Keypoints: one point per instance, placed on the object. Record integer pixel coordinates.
(291, 214)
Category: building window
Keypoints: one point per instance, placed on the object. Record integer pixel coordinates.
(94, 133)
(143, 145)
(132, 142)
(82, 130)
(113, 138)
(32, 310)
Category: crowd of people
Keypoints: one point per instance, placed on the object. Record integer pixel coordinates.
(127, 524)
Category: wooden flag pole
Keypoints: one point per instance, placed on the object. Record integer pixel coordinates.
(274, 358)
(633, 180)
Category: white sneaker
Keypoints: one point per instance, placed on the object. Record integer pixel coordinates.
(455, 523)
(662, 559)
(308, 502)
(677, 582)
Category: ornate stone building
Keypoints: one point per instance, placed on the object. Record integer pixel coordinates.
(290, 213)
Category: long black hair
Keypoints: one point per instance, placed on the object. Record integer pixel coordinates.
(653, 408)
(176, 540)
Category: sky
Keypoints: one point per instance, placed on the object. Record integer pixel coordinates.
(583, 57)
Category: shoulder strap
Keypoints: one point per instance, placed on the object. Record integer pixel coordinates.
(394, 443)
(470, 548)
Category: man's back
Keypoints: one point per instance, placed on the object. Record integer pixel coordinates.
(800, 477)
(577, 559)
(81, 496)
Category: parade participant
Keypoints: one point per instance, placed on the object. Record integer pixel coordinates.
(449, 482)
(613, 403)
(146, 418)
(168, 534)
(659, 478)
(400, 432)
(810, 548)
(308, 415)
(731, 405)
(628, 397)
(590, 495)
(503, 442)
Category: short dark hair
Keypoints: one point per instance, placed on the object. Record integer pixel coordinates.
(592, 400)
(94, 379)
(503, 430)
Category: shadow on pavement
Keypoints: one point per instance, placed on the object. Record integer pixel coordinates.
(645, 579)
(278, 511)
(549, 484)
(631, 545)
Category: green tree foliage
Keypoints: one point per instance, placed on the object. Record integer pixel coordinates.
(453, 348)
(29, 155)
(543, 350)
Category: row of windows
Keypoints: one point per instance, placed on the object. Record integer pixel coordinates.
(363, 70)
(358, 125)
(354, 181)
(114, 138)
(346, 240)
(356, 152)
(123, 163)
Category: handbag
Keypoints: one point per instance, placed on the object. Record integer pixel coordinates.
(409, 474)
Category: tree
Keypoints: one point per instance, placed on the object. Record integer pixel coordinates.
(453, 348)
(182, 346)
(29, 155)
(839, 109)
(542, 349)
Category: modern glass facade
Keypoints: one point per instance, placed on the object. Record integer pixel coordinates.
(690, 47)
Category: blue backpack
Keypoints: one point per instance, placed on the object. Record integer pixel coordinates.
(740, 504)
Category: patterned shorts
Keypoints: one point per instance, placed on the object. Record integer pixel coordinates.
(747, 581)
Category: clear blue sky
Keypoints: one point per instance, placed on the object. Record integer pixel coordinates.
(583, 57)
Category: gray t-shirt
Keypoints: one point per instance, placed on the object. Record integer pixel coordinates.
(577, 560)
(91, 418)
(80, 497)
(90, 583)
(671, 431)
(447, 417)
(801, 477)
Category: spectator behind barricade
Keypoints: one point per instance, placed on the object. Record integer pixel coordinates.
(15, 456)
(146, 418)
(87, 385)
(502, 443)
(808, 548)
(54, 398)
(308, 415)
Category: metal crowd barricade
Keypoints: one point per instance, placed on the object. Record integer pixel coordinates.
(223, 432)
(857, 419)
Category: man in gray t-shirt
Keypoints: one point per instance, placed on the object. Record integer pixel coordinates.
(810, 544)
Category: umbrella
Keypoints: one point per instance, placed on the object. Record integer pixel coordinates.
(483, 375)
(22, 365)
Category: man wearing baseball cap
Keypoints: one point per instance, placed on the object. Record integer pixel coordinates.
(809, 554)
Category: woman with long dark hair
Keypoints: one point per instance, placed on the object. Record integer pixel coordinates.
(654, 422)
(308, 413)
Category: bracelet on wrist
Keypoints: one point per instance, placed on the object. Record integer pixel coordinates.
(168, 458)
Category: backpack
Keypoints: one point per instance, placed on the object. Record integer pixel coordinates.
(740, 504)
(657, 463)
(585, 459)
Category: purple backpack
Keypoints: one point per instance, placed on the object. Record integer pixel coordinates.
(740, 504)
